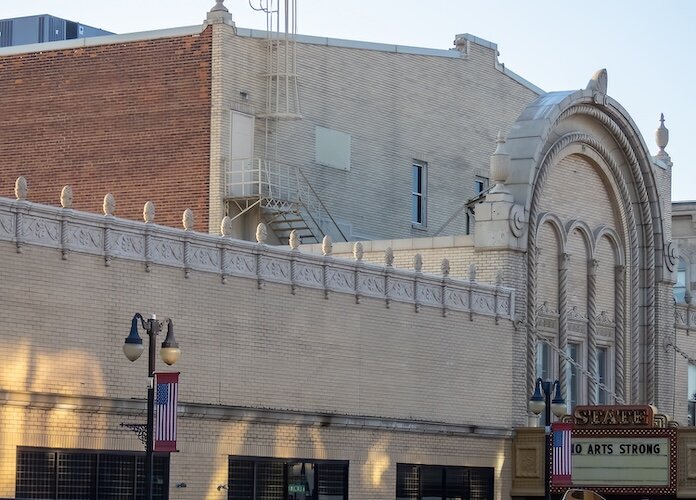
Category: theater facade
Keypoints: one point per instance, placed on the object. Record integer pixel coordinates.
(396, 364)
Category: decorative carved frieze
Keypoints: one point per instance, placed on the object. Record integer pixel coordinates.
(7, 227)
(340, 280)
(128, 245)
(239, 264)
(431, 295)
(166, 251)
(26, 223)
(40, 231)
(82, 238)
(204, 258)
(309, 275)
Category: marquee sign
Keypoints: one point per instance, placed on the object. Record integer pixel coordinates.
(617, 450)
(614, 416)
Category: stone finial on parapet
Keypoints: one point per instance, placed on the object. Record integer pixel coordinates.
(226, 226)
(472, 272)
(358, 251)
(261, 233)
(66, 197)
(294, 240)
(149, 212)
(326, 245)
(109, 205)
(21, 188)
(187, 220)
(418, 263)
(389, 257)
(445, 267)
(219, 14)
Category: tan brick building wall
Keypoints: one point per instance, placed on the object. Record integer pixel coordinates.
(260, 367)
(402, 105)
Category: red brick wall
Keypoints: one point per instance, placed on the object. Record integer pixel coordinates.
(132, 119)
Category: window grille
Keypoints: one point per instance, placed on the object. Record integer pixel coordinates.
(278, 479)
(87, 475)
(431, 482)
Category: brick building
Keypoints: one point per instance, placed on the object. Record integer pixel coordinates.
(392, 367)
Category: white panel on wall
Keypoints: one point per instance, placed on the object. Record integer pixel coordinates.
(332, 148)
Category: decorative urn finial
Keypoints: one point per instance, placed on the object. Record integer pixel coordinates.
(500, 164)
(326, 245)
(149, 212)
(219, 7)
(21, 188)
(294, 240)
(418, 262)
(445, 267)
(358, 250)
(109, 205)
(66, 197)
(261, 233)
(187, 220)
(662, 134)
(389, 257)
(226, 226)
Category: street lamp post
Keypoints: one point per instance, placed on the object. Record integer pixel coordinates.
(170, 352)
(539, 403)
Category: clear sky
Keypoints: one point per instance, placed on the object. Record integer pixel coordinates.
(648, 47)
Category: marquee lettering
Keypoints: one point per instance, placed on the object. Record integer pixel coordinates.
(613, 416)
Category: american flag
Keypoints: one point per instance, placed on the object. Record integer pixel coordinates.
(167, 385)
(561, 472)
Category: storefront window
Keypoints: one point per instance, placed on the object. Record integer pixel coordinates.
(276, 479)
(435, 482)
(87, 475)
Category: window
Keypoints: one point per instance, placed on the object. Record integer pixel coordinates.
(602, 357)
(419, 194)
(573, 376)
(480, 184)
(276, 479)
(691, 394)
(543, 361)
(679, 289)
(543, 368)
(435, 482)
(87, 475)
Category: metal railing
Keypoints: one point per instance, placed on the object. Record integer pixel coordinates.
(280, 188)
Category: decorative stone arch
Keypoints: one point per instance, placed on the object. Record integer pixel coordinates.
(547, 131)
(555, 222)
(585, 232)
